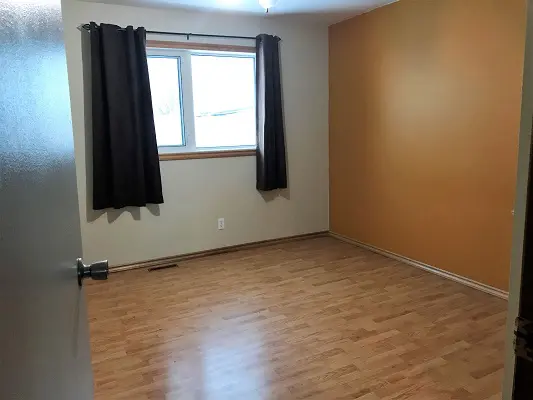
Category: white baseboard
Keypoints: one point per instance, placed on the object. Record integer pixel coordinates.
(445, 274)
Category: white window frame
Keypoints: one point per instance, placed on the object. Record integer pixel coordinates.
(187, 100)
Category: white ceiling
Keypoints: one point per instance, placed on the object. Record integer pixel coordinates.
(327, 11)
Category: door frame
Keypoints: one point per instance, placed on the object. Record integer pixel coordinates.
(524, 152)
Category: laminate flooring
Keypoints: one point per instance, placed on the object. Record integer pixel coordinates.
(310, 319)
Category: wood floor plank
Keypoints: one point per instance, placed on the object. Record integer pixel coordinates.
(312, 319)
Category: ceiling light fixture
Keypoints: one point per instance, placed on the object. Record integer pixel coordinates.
(267, 4)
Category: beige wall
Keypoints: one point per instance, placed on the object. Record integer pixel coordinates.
(424, 120)
(197, 192)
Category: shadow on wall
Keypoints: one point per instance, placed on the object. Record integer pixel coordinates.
(90, 214)
(113, 215)
(272, 195)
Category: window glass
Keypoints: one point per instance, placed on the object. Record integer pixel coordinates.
(165, 85)
(224, 100)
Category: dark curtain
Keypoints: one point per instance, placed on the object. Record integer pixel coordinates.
(271, 163)
(125, 157)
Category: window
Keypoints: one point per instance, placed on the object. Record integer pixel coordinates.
(203, 101)
(166, 100)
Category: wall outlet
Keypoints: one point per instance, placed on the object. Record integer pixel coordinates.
(221, 224)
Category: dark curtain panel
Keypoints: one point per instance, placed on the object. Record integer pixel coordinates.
(271, 163)
(125, 158)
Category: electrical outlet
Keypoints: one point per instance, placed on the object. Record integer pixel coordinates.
(221, 224)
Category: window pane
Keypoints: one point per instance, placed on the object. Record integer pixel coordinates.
(166, 100)
(224, 100)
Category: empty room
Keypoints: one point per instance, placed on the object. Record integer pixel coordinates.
(266, 199)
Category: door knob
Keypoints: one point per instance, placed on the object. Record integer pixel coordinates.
(97, 271)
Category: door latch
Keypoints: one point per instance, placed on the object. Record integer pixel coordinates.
(523, 342)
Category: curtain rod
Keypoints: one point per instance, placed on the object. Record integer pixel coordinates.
(87, 26)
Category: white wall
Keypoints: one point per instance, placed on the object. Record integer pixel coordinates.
(197, 192)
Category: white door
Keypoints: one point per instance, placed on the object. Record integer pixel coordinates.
(44, 343)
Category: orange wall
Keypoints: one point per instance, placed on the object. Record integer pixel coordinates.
(424, 118)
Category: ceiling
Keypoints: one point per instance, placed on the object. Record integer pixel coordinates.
(327, 11)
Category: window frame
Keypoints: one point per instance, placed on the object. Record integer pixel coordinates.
(183, 52)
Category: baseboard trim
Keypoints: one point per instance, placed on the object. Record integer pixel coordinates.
(437, 271)
(167, 261)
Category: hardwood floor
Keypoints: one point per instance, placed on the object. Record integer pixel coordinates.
(317, 319)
